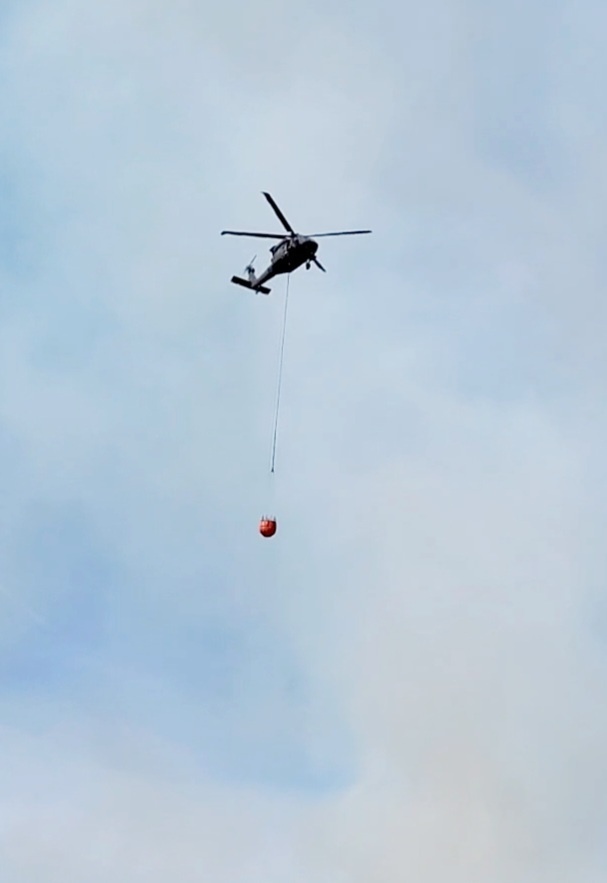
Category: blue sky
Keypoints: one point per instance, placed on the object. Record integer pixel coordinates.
(409, 680)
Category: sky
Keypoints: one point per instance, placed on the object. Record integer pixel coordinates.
(409, 682)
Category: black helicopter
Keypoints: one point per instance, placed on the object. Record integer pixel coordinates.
(290, 253)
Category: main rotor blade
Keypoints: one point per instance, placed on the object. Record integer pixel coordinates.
(319, 265)
(258, 235)
(341, 233)
(279, 214)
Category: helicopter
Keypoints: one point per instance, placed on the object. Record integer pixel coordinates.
(288, 254)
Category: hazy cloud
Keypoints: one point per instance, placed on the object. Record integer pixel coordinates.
(409, 682)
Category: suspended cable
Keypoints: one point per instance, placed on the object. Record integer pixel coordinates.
(279, 384)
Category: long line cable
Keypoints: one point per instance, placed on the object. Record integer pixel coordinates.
(279, 383)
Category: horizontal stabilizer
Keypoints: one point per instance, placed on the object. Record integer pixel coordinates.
(246, 284)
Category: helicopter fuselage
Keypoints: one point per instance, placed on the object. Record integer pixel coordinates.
(288, 255)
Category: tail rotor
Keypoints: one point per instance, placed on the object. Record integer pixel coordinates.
(250, 269)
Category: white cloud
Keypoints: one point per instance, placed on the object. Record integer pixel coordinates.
(437, 551)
